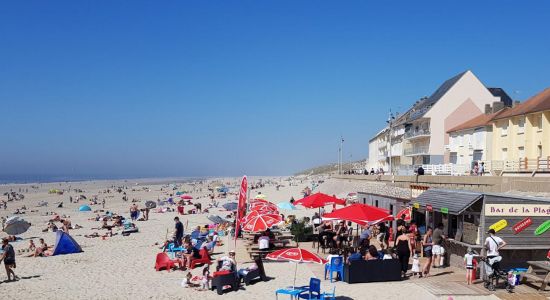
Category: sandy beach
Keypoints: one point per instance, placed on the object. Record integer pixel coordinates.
(121, 267)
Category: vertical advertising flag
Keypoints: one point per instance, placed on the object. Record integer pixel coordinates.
(241, 209)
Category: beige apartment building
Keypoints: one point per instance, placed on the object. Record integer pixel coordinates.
(521, 135)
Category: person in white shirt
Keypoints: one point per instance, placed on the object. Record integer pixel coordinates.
(263, 242)
(493, 243)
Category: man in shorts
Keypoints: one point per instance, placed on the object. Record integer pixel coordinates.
(9, 259)
(438, 250)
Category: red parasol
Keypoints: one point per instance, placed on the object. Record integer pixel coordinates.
(296, 255)
(319, 200)
(361, 214)
(261, 222)
(405, 212)
(186, 197)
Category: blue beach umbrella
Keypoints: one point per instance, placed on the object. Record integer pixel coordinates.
(85, 208)
(231, 206)
(286, 206)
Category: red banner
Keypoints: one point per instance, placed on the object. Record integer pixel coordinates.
(519, 227)
(241, 209)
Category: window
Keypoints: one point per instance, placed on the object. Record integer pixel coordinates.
(453, 158)
(539, 151)
(504, 129)
(521, 152)
(376, 203)
(539, 122)
(504, 153)
(521, 125)
(391, 209)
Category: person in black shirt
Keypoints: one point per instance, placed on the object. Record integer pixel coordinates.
(9, 258)
(179, 231)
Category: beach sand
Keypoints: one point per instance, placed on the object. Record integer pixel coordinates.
(122, 267)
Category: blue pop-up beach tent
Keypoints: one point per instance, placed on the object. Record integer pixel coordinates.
(85, 208)
(65, 244)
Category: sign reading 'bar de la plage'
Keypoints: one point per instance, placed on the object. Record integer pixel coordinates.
(527, 210)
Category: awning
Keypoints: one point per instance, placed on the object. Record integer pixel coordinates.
(453, 200)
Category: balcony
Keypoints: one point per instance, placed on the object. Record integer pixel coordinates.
(413, 134)
(416, 150)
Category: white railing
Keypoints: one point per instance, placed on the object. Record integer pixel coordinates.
(446, 169)
(417, 150)
(415, 133)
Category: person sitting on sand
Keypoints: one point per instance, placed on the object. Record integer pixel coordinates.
(65, 225)
(32, 246)
(41, 249)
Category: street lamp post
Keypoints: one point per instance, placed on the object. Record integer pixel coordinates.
(391, 117)
(340, 155)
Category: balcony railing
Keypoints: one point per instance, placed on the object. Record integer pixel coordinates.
(417, 133)
(418, 150)
(519, 165)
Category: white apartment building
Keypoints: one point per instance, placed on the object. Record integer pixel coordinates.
(472, 141)
(419, 136)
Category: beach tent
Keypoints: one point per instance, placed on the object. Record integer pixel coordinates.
(85, 208)
(65, 244)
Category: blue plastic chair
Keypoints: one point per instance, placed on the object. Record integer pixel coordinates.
(313, 291)
(336, 264)
(326, 295)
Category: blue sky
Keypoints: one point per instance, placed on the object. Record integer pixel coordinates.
(140, 88)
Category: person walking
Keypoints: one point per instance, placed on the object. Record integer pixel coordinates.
(427, 243)
(403, 250)
(8, 257)
(438, 250)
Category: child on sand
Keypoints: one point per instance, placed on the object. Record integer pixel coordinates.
(416, 266)
(187, 281)
(469, 262)
(205, 280)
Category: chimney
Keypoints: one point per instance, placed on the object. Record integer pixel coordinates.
(488, 109)
(515, 103)
(497, 106)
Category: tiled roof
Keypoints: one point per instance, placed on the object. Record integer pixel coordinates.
(479, 121)
(539, 102)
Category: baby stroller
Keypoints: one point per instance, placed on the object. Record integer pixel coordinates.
(493, 273)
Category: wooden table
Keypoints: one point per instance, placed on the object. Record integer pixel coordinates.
(539, 271)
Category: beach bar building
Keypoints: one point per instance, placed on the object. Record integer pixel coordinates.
(523, 222)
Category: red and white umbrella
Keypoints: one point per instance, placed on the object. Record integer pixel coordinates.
(261, 222)
(296, 255)
(406, 213)
(186, 197)
(254, 214)
(265, 209)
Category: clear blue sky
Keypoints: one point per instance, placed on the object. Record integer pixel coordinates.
(176, 88)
